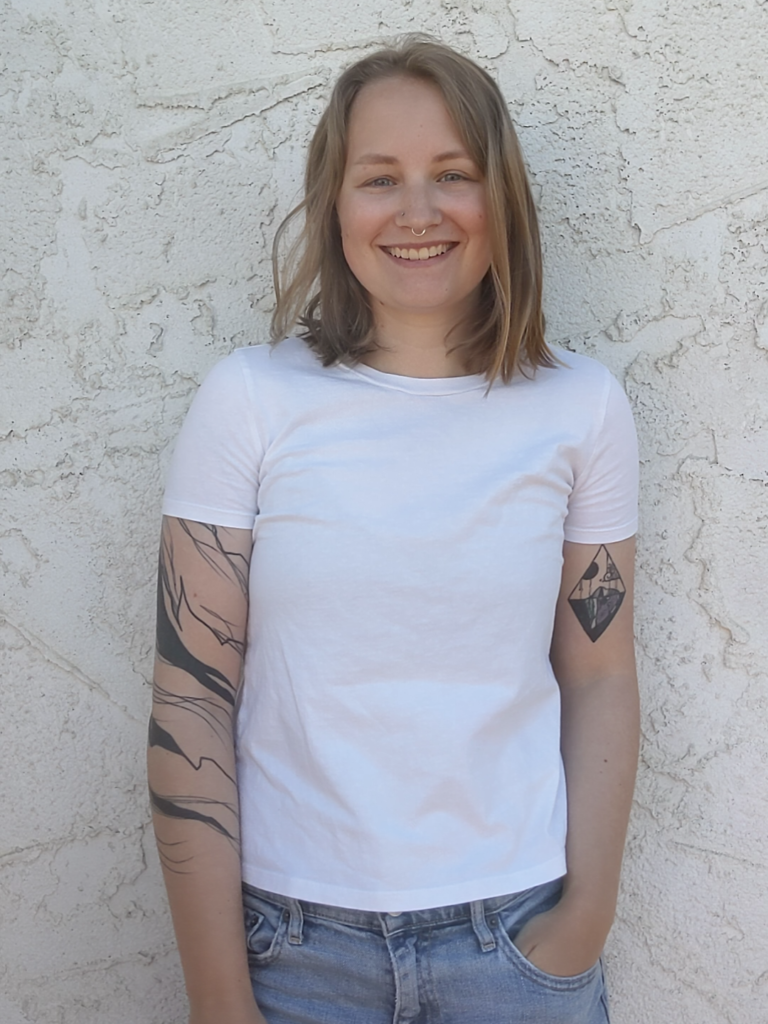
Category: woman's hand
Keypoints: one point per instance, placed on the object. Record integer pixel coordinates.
(246, 1015)
(561, 941)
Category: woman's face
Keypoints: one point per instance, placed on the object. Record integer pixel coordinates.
(412, 205)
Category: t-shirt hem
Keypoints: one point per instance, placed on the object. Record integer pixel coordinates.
(601, 536)
(403, 900)
(204, 514)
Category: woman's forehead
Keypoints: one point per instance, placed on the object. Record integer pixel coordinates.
(396, 93)
(389, 113)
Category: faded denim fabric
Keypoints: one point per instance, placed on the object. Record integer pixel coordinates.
(313, 964)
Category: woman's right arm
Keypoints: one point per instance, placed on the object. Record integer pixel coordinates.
(202, 609)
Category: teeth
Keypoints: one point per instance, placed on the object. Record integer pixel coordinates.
(418, 254)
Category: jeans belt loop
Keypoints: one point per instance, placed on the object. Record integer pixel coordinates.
(296, 923)
(480, 926)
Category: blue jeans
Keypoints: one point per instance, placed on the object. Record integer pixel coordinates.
(312, 964)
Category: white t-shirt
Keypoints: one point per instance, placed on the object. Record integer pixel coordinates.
(398, 737)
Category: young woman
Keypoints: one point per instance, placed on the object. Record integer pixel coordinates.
(408, 531)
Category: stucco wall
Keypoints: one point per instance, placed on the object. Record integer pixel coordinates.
(149, 149)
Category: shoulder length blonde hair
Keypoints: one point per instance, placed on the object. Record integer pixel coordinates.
(316, 290)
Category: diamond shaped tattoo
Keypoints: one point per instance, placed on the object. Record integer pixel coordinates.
(597, 596)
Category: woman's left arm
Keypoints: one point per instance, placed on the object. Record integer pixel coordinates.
(593, 660)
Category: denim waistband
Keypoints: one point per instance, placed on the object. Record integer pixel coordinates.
(389, 922)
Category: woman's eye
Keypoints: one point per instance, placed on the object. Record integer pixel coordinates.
(379, 182)
(453, 176)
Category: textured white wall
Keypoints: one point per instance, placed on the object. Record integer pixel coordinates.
(149, 149)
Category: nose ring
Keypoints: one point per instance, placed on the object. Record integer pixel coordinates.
(417, 233)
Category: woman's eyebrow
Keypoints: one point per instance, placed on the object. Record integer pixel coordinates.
(452, 154)
(376, 158)
(381, 158)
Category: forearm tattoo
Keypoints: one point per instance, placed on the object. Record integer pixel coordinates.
(214, 703)
(160, 737)
(597, 596)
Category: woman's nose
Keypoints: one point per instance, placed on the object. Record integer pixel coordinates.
(419, 208)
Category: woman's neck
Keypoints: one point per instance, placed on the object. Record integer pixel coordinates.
(413, 349)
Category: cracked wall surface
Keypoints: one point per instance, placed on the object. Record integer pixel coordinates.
(149, 151)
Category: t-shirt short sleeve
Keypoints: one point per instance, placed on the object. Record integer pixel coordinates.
(214, 471)
(603, 504)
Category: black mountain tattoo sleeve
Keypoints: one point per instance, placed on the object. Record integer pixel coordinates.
(202, 598)
(598, 595)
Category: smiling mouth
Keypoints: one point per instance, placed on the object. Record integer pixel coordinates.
(424, 253)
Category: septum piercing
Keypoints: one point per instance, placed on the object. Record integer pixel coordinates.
(417, 233)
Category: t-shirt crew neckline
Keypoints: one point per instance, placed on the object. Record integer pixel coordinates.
(417, 385)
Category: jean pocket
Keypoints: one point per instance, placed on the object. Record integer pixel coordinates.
(266, 924)
(561, 982)
(511, 920)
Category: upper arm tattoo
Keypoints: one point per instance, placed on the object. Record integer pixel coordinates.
(230, 565)
(213, 705)
(597, 596)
